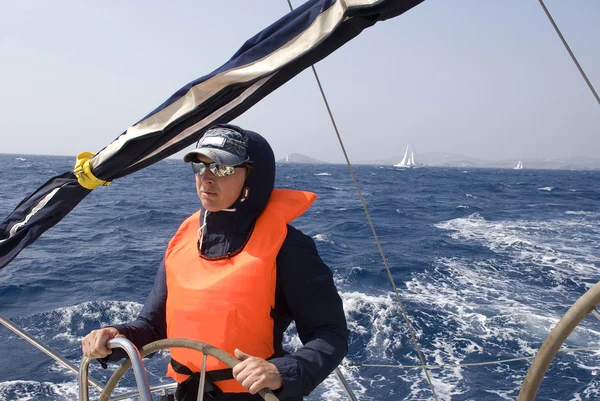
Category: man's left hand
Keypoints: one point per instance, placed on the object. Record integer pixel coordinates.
(256, 373)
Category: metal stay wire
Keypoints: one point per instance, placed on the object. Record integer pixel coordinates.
(587, 81)
(389, 272)
(45, 349)
(461, 365)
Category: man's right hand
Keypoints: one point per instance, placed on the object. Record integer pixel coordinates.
(94, 344)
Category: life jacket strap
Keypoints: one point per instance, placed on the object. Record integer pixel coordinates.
(213, 375)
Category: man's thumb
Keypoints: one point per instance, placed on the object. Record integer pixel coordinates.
(242, 356)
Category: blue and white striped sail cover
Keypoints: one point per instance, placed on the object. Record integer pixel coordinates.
(268, 60)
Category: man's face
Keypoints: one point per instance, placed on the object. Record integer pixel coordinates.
(218, 193)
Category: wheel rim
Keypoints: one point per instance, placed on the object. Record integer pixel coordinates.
(580, 309)
(159, 345)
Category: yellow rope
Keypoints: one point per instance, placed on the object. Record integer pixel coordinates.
(84, 174)
(373, 365)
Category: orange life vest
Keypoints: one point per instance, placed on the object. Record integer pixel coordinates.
(227, 302)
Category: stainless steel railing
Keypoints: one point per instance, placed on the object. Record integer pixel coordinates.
(136, 362)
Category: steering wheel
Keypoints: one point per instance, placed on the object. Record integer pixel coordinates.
(580, 309)
(159, 345)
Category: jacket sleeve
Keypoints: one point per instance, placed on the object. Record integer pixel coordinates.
(151, 323)
(317, 309)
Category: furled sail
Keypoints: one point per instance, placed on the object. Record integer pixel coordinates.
(265, 62)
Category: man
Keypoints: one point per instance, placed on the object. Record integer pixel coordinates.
(235, 275)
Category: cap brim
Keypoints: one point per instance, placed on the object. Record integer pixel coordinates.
(218, 156)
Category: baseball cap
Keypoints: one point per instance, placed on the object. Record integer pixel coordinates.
(223, 145)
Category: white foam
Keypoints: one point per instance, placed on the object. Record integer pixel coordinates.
(546, 189)
(378, 320)
(26, 390)
(591, 392)
(559, 247)
(322, 174)
(69, 322)
(332, 390)
(494, 305)
(505, 395)
(322, 238)
(290, 339)
(581, 213)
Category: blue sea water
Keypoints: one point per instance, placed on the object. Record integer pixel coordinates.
(486, 261)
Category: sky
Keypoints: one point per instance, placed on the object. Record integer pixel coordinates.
(481, 78)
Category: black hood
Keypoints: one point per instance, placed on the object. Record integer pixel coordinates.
(226, 233)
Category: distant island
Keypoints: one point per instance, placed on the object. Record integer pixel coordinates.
(443, 159)
(299, 158)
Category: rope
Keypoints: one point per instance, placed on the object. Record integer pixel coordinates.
(596, 314)
(460, 365)
(570, 52)
(389, 272)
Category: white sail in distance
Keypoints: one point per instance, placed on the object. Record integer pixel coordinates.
(409, 158)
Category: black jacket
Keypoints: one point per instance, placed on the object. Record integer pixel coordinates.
(305, 291)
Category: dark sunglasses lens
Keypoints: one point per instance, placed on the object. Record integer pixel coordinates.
(198, 168)
(221, 171)
(216, 169)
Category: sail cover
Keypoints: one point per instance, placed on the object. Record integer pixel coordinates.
(265, 62)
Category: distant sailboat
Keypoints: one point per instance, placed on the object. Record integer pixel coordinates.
(287, 158)
(519, 166)
(409, 159)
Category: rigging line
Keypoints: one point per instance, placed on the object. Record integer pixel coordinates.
(595, 313)
(45, 349)
(389, 272)
(460, 365)
(570, 52)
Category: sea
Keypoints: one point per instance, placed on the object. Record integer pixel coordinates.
(485, 262)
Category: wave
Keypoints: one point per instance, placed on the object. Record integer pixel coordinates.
(72, 323)
(562, 246)
(322, 238)
(582, 213)
(26, 390)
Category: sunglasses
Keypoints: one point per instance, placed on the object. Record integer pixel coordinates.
(218, 170)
